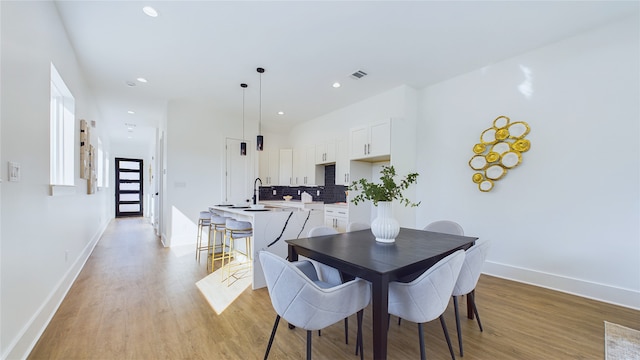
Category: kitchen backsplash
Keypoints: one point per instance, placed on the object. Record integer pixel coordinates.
(329, 193)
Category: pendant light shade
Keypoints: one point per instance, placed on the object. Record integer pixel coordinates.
(243, 144)
(260, 138)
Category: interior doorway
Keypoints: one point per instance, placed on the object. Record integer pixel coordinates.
(129, 189)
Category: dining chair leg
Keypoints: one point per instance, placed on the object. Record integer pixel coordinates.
(446, 335)
(455, 308)
(359, 342)
(309, 344)
(399, 320)
(346, 330)
(472, 300)
(273, 334)
(423, 356)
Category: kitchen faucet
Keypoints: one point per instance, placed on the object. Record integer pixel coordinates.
(255, 190)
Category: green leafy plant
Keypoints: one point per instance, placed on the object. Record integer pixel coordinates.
(386, 190)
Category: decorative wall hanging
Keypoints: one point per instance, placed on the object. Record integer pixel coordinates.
(93, 178)
(85, 138)
(499, 150)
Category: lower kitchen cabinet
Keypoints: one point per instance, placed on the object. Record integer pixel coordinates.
(336, 216)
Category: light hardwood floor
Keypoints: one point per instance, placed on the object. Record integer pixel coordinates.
(135, 299)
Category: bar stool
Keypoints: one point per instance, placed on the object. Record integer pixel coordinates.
(203, 221)
(237, 230)
(217, 226)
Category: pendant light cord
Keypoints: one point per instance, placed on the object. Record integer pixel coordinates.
(260, 106)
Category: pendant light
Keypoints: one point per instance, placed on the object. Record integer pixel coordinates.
(260, 139)
(243, 144)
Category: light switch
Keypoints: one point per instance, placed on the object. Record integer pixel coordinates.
(274, 192)
(14, 171)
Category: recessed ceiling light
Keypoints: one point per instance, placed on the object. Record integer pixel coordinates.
(142, 80)
(336, 85)
(131, 112)
(280, 112)
(131, 83)
(150, 11)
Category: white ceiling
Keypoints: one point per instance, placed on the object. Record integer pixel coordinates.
(205, 49)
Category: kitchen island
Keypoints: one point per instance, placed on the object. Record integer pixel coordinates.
(271, 227)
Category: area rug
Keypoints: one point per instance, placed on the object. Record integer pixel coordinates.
(221, 294)
(621, 343)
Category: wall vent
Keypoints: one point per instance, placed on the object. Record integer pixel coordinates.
(358, 74)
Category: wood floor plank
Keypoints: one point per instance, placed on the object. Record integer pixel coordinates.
(135, 300)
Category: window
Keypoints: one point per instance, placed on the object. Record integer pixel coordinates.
(106, 169)
(100, 173)
(62, 132)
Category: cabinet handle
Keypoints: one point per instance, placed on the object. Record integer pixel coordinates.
(368, 149)
(365, 149)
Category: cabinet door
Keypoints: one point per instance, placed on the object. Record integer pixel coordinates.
(286, 167)
(359, 141)
(269, 167)
(274, 167)
(380, 139)
(263, 169)
(321, 150)
(299, 157)
(342, 162)
(309, 167)
(341, 224)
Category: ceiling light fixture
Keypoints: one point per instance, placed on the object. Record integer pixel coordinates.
(336, 85)
(260, 138)
(280, 112)
(131, 112)
(142, 80)
(243, 144)
(150, 11)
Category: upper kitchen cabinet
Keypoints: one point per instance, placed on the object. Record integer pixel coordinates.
(304, 167)
(286, 167)
(326, 153)
(270, 167)
(342, 162)
(371, 142)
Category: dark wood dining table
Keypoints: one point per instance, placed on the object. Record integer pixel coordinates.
(358, 254)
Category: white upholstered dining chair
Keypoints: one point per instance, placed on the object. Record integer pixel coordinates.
(307, 305)
(467, 281)
(426, 298)
(445, 226)
(355, 226)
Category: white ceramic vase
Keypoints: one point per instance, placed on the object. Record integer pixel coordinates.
(384, 227)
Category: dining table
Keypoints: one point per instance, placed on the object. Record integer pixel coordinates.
(358, 254)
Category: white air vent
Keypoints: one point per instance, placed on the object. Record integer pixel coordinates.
(358, 74)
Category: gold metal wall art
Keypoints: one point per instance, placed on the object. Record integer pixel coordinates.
(499, 150)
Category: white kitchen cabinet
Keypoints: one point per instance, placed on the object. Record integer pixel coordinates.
(342, 162)
(336, 216)
(371, 141)
(325, 153)
(304, 167)
(270, 167)
(286, 167)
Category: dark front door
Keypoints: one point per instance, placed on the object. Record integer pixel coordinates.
(128, 187)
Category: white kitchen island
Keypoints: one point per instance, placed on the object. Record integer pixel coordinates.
(271, 227)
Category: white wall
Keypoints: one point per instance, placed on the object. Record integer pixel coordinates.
(37, 229)
(568, 216)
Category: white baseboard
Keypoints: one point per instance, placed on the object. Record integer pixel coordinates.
(601, 292)
(31, 332)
